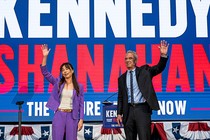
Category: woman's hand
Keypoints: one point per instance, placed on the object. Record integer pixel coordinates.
(45, 50)
(80, 124)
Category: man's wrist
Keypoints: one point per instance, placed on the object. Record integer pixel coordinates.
(164, 55)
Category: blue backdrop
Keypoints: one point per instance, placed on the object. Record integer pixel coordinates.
(94, 36)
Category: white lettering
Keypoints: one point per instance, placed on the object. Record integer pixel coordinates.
(111, 113)
(180, 107)
(9, 17)
(137, 26)
(201, 9)
(92, 108)
(166, 29)
(37, 109)
(45, 109)
(34, 19)
(171, 107)
(80, 16)
(89, 109)
(30, 104)
(97, 108)
(115, 12)
(86, 21)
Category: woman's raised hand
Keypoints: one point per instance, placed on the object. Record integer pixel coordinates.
(45, 50)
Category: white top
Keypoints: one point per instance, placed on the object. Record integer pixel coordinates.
(66, 99)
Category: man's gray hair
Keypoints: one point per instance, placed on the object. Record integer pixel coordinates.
(134, 55)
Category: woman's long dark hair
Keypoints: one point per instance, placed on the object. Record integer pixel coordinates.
(74, 80)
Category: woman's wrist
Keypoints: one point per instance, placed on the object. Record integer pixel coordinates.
(81, 120)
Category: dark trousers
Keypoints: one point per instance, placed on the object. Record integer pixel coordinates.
(138, 122)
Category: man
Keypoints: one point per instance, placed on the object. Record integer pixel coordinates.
(136, 95)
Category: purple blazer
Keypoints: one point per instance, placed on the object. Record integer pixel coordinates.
(54, 100)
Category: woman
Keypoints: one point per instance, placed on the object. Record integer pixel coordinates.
(66, 100)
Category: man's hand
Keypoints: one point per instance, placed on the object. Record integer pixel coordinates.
(119, 120)
(163, 48)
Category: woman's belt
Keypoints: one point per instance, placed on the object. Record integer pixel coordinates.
(65, 110)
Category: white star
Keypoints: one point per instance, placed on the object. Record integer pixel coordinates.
(46, 133)
(1, 132)
(175, 129)
(87, 131)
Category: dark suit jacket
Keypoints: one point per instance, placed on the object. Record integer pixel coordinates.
(144, 75)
